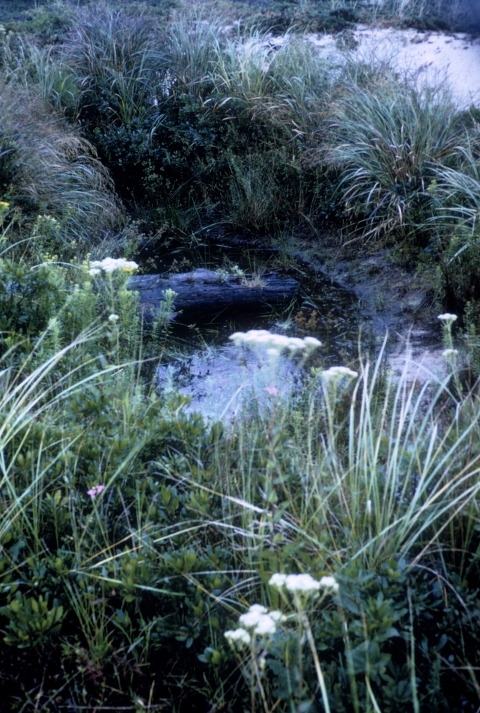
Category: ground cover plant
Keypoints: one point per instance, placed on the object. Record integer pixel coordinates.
(320, 553)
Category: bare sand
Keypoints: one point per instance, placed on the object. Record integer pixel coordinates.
(429, 57)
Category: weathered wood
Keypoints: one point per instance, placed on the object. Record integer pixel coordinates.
(207, 290)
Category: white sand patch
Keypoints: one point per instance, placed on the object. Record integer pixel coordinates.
(430, 57)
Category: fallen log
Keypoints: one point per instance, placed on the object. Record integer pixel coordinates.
(203, 290)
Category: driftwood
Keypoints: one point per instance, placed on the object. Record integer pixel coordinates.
(207, 290)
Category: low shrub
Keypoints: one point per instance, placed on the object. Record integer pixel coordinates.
(29, 298)
(48, 22)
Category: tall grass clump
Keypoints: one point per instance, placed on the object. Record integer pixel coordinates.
(456, 191)
(114, 59)
(389, 139)
(192, 39)
(118, 67)
(368, 486)
(49, 170)
(41, 66)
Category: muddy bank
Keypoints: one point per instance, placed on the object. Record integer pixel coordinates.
(393, 301)
(342, 294)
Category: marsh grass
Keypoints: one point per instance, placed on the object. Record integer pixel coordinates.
(145, 533)
(52, 170)
(389, 140)
(113, 57)
(193, 39)
(386, 467)
(189, 116)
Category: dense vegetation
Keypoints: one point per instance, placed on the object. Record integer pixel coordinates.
(134, 535)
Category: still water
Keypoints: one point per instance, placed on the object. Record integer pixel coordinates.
(219, 377)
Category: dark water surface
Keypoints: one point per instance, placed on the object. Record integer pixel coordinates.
(205, 365)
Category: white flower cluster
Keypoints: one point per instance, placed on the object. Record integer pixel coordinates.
(238, 636)
(258, 621)
(303, 583)
(447, 317)
(339, 372)
(110, 264)
(274, 343)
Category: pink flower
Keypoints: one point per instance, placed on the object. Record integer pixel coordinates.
(272, 390)
(96, 490)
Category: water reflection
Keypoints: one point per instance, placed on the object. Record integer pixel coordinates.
(222, 378)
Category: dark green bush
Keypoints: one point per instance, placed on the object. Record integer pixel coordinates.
(47, 21)
(29, 298)
(136, 564)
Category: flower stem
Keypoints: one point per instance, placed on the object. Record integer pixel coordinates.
(316, 660)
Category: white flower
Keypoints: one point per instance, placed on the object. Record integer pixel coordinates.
(294, 343)
(449, 352)
(280, 341)
(301, 583)
(110, 264)
(278, 580)
(312, 343)
(266, 626)
(258, 609)
(338, 372)
(237, 337)
(252, 617)
(273, 352)
(238, 636)
(329, 583)
(261, 337)
(277, 616)
(113, 318)
(256, 335)
(260, 621)
(94, 271)
(447, 317)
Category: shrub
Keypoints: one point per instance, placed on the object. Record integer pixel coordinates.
(47, 22)
(29, 298)
(197, 116)
(77, 458)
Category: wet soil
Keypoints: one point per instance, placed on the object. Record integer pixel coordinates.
(346, 298)
(397, 303)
